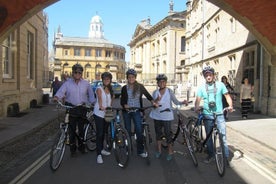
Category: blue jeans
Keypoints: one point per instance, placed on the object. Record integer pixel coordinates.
(137, 120)
(209, 122)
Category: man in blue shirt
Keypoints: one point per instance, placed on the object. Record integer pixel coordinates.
(76, 91)
(211, 93)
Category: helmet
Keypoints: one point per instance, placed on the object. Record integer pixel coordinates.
(106, 74)
(208, 69)
(131, 72)
(77, 67)
(161, 77)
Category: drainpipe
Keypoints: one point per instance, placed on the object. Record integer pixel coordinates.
(261, 76)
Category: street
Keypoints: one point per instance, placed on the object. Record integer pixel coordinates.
(84, 169)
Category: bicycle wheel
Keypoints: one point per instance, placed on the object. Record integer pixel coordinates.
(146, 142)
(190, 146)
(194, 135)
(219, 153)
(90, 136)
(121, 146)
(58, 149)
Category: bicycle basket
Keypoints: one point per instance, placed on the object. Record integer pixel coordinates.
(108, 115)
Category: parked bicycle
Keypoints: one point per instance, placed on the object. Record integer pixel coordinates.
(118, 137)
(195, 126)
(62, 137)
(183, 129)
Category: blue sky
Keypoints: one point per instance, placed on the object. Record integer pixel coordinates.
(120, 17)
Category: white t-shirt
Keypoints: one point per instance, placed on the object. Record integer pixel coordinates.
(106, 102)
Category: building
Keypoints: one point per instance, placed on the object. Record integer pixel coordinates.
(94, 53)
(213, 37)
(159, 48)
(24, 66)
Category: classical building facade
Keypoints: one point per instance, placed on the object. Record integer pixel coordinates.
(94, 53)
(159, 48)
(215, 38)
(24, 66)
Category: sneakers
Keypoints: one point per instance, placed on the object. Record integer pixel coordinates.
(169, 157)
(209, 160)
(99, 159)
(157, 154)
(104, 152)
(143, 155)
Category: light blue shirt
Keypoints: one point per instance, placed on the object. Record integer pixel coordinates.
(211, 96)
(76, 93)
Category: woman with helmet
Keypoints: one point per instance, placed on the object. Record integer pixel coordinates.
(104, 97)
(163, 96)
(76, 91)
(132, 94)
(211, 93)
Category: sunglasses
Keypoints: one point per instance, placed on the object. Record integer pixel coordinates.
(77, 72)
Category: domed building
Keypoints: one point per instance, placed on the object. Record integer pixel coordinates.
(95, 53)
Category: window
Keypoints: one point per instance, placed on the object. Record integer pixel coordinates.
(76, 52)
(232, 60)
(98, 53)
(183, 44)
(87, 52)
(233, 25)
(107, 53)
(30, 55)
(66, 52)
(7, 60)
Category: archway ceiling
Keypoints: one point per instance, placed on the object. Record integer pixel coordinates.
(259, 16)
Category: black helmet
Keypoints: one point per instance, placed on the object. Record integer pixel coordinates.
(208, 69)
(161, 77)
(106, 74)
(131, 72)
(77, 67)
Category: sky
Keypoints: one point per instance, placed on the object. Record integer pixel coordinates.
(120, 17)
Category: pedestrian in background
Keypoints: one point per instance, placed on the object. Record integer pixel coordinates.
(245, 97)
(76, 91)
(189, 87)
(131, 96)
(230, 91)
(104, 96)
(56, 84)
(162, 120)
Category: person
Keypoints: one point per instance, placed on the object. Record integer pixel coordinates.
(104, 96)
(211, 93)
(76, 91)
(131, 96)
(245, 97)
(164, 97)
(189, 87)
(230, 89)
(55, 86)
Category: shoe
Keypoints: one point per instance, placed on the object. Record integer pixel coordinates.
(143, 155)
(104, 152)
(169, 157)
(99, 159)
(157, 154)
(244, 117)
(209, 160)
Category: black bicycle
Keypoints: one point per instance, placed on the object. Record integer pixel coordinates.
(195, 126)
(118, 137)
(62, 137)
(183, 129)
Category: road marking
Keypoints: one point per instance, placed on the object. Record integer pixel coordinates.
(23, 176)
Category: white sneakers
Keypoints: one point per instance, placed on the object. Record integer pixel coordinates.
(100, 158)
(143, 155)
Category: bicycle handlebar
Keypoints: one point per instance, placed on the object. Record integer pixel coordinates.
(60, 104)
(169, 109)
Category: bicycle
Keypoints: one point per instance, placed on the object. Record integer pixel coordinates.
(62, 137)
(195, 126)
(118, 137)
(183, 129)
(147, 139)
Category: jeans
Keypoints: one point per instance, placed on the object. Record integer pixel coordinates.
(101, 129)
(137, 120)
(73, 122)
(209, 122)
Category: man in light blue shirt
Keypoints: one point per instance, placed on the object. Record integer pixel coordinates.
(211, 93)
(76, 91)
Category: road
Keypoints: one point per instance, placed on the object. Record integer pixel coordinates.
(84, 169)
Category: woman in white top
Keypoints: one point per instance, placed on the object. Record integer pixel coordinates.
(163, 96)
(245, 97)
(104, 96)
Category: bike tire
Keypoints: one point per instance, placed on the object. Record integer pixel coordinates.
(90, 136)
(194, 135)
(57, 149)
(219, 153)
(121, 147)
(190, 147)
(147, 141)
(164, 143)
